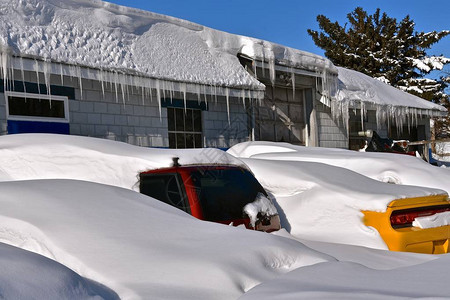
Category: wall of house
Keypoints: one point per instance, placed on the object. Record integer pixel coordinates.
(130, 117)
(331, 133)
(220, 132)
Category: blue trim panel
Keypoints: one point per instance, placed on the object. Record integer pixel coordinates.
(37, 127)
(34, 88)
(179, 103)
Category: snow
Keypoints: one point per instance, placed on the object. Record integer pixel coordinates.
(27, 275)
(345, 280)
(357, 90)
(139, 247)
(46, 156)
(262, 205)
(319, 202)
(116, 41)
(384, 167)
(436, 220)
(70, 201)
(442, 152)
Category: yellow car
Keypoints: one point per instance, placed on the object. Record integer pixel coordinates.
(396, 225)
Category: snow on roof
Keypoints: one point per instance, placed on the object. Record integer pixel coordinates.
(110, 37)
(361, 91)
(356, 86)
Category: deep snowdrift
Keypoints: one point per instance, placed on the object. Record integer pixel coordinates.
(140, 247)
(315, 201)
(26, 275)
(386, 167)
(345, 280)
(45, 156)
(324, 203)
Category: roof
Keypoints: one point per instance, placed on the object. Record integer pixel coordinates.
(356, 87)
(112, 38)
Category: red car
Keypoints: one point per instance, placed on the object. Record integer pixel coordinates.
(217, 193)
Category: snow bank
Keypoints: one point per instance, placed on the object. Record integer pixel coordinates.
(315, 201)
(344, 280)
(140, 247)
(386, 167)
(44, 156)
(26, 275)
(320, 202)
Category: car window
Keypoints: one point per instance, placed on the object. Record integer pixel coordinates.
(166, 188)
(223, 193)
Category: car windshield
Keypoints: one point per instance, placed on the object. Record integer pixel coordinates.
(223, 192)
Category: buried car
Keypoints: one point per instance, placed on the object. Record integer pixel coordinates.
(319, 202)
(226, 194)
(415, 224)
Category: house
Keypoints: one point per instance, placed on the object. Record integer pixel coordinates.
(364, 103)
(97, 69)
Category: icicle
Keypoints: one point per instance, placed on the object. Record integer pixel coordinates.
(227, 94)
(23, 74)
(36, 66)
(61, 73)
(293, 85)
(128, 87)
(47, 70)
(243, 97)
(116, 86)
(80, 81)
(13, 78)
(254, 69)
(272, 70)
(263, 61)
(198, 94)
(184, 97)
(122, 89)
(205, 97)
(158, 96)
(102, 82)
(164, 88)
(363, 113)
(4, 61)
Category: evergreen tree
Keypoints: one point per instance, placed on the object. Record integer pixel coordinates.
(383, 48)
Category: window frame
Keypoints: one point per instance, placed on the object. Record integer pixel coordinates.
(64, 99)
(185, 132)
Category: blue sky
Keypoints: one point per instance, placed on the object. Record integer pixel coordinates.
(285, 22)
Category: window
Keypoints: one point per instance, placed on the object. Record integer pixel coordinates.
(185, 127)
(223, 193)
(165, 188)
(36, 107)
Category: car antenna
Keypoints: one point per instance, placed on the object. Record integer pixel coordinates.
(175, 162)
